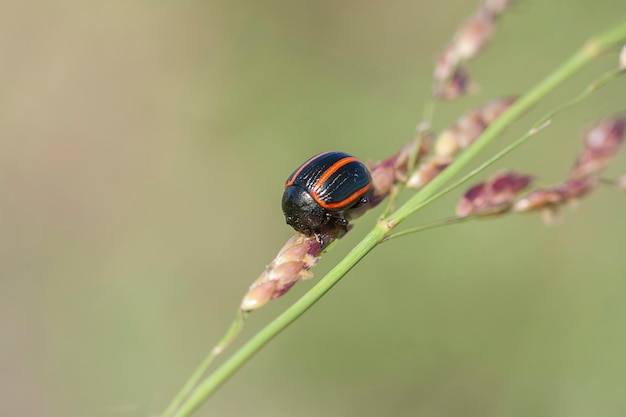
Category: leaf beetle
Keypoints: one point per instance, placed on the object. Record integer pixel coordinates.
(325, 192)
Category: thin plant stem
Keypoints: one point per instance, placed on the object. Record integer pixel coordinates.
(230, 335)
(585, 55)
(391, 201)
(612, 184)
(539, 126)
(241, 356)
(444, 222)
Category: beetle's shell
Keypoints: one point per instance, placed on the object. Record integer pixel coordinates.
(335, 180)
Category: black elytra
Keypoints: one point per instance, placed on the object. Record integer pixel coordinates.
(321, 194)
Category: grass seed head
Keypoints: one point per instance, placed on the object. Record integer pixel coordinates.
(494, 196)
(600, 146)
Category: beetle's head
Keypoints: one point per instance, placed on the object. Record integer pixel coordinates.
(302, 212)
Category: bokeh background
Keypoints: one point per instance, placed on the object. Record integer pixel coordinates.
(143, 148)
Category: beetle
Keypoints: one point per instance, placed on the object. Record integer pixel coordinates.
(324, 193)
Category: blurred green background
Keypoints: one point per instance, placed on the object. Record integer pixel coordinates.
(143, 148)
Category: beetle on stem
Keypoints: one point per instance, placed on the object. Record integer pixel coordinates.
(325, 192)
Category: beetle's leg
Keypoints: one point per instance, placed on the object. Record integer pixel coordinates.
(320, 238)
(343, 225)
(342, 222)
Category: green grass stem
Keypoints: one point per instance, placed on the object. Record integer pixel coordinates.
(433, 190)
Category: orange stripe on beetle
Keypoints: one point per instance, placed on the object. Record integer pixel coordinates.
(334, 168)
(346, 201)
(296, 173)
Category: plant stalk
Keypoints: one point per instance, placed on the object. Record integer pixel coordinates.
(586, 54)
